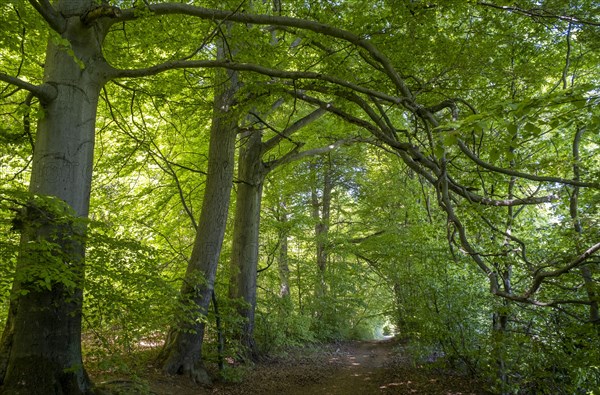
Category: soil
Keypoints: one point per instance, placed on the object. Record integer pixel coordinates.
(353, 368)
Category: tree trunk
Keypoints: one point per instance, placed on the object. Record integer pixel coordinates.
(321, 213)
(244, 255)
(586, 272)
(41, 343)
(500, 318)
(244, 258)
(282, 259)
(399, 317)
(499, 332)
(182, 353)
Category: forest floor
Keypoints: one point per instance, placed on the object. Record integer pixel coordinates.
(351, 368)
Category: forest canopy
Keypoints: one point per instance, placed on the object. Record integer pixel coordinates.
(231, 179)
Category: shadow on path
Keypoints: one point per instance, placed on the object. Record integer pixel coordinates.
(356, 368)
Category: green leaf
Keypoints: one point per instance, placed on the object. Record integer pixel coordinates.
(450, 138)
(439, 150)
(48, 283)
(533, 129)
(512, 128)
(494, 155)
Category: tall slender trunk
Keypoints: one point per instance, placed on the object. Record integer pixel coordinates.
(586, 272)
(501, 316)
(182, 353)
(244, 255)
(41, 344)
(244, 258)
(321, 213)
(399, 300)
(282, 259)
(500, 320)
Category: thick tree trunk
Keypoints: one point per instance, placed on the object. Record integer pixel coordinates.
(182, 353)
(41, 344)
(244, 254)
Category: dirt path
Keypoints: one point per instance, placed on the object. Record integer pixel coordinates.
(359, 372)
(355, 368)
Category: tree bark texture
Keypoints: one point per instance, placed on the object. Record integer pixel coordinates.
(41, 343)
(586, 271)
(244, 260)
(321, 213)
(244, 256)
(501, 317)
(282, 259)
(182, 353)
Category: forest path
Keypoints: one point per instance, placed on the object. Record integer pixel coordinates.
(354, 368)
(349, 368)
(360, 370)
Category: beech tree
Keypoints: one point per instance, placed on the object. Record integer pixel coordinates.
(41, 353)
(183, 348)
(507, 149)
(252, 171)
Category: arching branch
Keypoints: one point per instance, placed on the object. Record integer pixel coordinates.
(463, 147)
(416, 160)
(269, 20)
(255, 68)
(299, 124)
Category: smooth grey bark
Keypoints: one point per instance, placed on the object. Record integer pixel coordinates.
(282, 258)
(41, 343)
(321, 211)
(244, 258)
(244, 254)
(182, 353)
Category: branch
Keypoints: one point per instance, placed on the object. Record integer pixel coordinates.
(535, 302)
(510, 236)
(540, 13)
(448, 103)
(45, 92)
(446, 204)
(295, 156)
(414, 158)
(514, 173)
(358, 240)
(169, 170)
(56, 21)
(101, 11)
(317, 27)
(287, 132)
(292, 75)
(541, 276)
(373, 264)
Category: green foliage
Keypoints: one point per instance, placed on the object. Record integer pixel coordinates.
(280, 326)
(522, 88)
(50, 232)
(130, 298)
